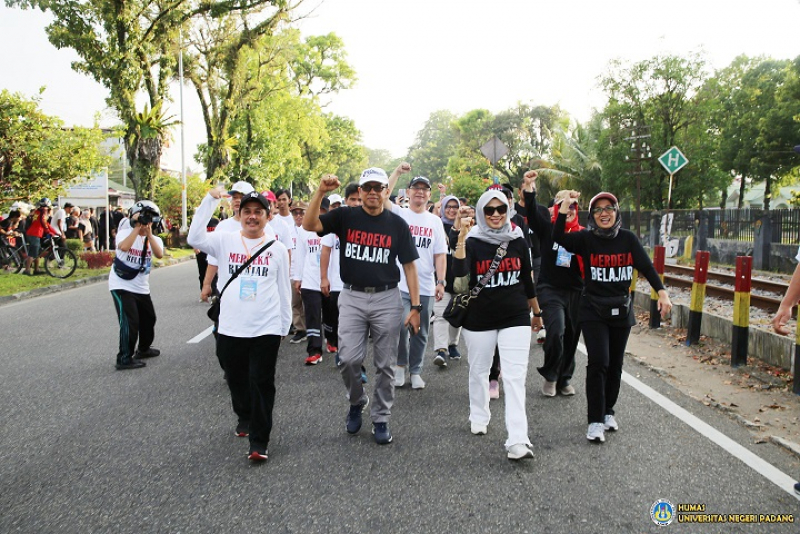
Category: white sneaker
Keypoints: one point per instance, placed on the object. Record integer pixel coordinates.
(479, 430)
(567, 390)
(596, 432)
(549, 389)
(541, 336)
(417, 382)
(519, 451)
(609, 423)
(399, 376)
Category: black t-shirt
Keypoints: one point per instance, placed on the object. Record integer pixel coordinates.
(608, 263)
(530, 235)
(72, 233)
(503, 302)
(370, 245)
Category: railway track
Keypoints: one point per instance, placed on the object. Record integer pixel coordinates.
(765, 294)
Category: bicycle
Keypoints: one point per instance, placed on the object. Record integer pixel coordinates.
(59, 261)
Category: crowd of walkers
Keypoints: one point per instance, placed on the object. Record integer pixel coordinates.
(346, 273)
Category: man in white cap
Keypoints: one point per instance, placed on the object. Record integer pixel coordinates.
(335, 200)
(372, 240)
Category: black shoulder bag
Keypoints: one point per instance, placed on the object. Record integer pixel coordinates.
(126, 272)
(457, 308)
(213, 311)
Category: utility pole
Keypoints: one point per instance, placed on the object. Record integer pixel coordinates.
(639, 139)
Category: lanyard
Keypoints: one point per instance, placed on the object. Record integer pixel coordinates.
(249, 250)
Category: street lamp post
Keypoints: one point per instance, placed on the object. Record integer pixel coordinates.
(184, 225)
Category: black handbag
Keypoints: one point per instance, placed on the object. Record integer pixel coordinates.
(125, 271)
(213, 311)
(457, 308)
(610, 308)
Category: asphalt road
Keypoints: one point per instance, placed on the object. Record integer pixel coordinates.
(86, 448)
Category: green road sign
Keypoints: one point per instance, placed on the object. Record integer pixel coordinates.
(673, 160)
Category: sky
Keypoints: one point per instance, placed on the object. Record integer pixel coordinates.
(415, 57)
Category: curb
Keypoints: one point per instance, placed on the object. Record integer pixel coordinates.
(56, 288)
(786, 444)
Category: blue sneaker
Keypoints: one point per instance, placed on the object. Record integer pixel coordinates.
(454, 354)
(363, 375)
(382, 434)
(797, 488)
(353, 422)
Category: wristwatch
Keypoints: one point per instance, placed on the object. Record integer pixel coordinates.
(441, 282)
(418, 307)
(538, 314)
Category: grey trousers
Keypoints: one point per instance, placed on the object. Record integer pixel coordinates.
(378, 314)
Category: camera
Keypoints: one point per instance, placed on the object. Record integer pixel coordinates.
(147, 216)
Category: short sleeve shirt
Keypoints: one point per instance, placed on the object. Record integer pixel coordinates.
(370, 245)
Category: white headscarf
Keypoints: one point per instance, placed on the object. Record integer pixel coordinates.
(482, 230)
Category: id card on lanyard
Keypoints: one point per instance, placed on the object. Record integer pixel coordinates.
(248, 285)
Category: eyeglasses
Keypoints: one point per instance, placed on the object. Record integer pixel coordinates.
(451, 207)
(502, 209)
(369, 188)
(420, 188)
(607, 209)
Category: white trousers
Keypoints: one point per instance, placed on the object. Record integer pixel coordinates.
(514, 344)
(444, 335)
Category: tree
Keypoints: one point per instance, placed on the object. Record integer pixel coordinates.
(435, 144)
(38, 156)
(169, 191)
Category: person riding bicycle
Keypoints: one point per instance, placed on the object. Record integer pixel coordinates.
(37, 235)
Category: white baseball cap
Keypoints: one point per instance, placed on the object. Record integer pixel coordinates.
(241, 187)
(334, 198)
(374, 174)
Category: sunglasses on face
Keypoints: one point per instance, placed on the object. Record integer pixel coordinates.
(502, 209)
(369, 188)
(607, 209)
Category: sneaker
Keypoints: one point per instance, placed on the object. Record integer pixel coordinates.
(440, 360)
(314, 359)
(609, 423)
(332, 349)
(454, 354)
(549, 389)
(363, 375)
(242, 429)
(257, 456)
(494, 389)
(797, 488)
(149, 353)
(519, 451)
(417, 382)
(337, 360)
(567, 390)
(383, 436)
(299, 337)
(130, 364)
(540, 337)
(478, 430)
(292, 330)
(353, 422)
(399, 376)
(596, 432)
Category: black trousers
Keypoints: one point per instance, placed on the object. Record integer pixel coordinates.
(250, 365)
(560, 314)
(137, 321)
(312, 305)
(606, 348)
(330, 318)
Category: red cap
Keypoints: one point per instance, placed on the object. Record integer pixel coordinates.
(269, 195)
(603, 194)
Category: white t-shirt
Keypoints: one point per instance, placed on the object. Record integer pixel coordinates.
(59, 220)
(259, 301)
(229, 225)
(306, 259)
(132, 258)
(287, 219)
(282, 231)
(429, 238)
(334, 276)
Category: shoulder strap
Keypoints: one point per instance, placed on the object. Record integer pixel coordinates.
(244, 266)
(501, 252)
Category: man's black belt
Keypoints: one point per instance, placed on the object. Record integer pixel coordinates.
(377, 289)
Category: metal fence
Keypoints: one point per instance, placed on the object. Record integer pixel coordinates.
(734, 224)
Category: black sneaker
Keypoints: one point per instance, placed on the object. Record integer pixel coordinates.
(382, 434)
(797, 488)
(242, 429)
(454, 354)
(299, 337)
(440, 360)
(149, 353)
(130, 364)
(353, 422)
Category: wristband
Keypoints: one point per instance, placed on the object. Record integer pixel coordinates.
(538, 314)
(441, 282)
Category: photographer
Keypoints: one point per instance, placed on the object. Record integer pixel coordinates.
(129, 283)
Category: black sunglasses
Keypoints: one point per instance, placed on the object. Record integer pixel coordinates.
(368, 188)
(502, 209)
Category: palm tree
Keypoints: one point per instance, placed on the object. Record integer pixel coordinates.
(145, 142)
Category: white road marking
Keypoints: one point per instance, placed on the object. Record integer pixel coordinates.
(761, 466)
(202, 335)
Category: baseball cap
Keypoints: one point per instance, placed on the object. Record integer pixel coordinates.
(420, 180)
(269, 195)
(374, 174)
(334, 198)
(604, 194)
(326, 204)
(241, 187)
(252, 196)
(299, 205)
